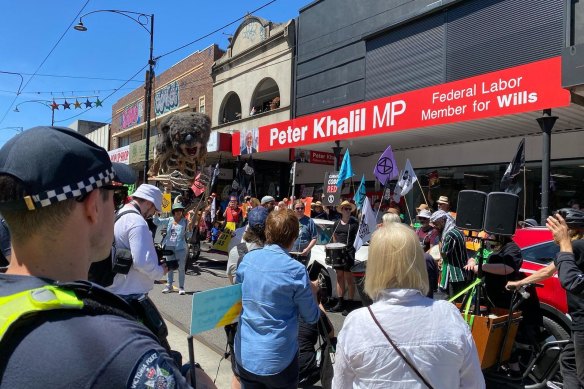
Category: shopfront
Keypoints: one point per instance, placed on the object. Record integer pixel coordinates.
(464, 133)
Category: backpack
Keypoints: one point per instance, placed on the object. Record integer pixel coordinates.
(104, 271)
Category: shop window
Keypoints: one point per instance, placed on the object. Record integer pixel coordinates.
(153, 131)
(123, 141)
(565, 185)
(230, 108)
(202, 104)
(266, 97)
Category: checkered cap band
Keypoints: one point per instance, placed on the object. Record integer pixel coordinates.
(75, 190)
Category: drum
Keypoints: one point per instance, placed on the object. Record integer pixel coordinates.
(335, 254)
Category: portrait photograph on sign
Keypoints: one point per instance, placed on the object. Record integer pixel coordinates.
(249, 141)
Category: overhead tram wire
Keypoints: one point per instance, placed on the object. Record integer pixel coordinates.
(105, 98)
(255, 60)
(44, 60)
(216, 31)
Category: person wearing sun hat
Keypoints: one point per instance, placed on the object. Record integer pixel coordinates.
(345, 231)
(178, 233)
(317, 211)
(56, 195)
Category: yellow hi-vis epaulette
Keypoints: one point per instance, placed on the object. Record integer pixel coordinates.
(46, 298)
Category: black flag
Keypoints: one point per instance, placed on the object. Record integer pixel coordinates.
(508, 183)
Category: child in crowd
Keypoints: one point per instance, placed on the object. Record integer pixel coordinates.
(215, 231)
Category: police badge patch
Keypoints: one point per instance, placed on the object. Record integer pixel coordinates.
(152, 371)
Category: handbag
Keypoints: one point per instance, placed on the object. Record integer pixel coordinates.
(327, 356)
(401, 354)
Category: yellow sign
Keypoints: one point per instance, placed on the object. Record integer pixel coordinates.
(222, 243)
(166, 202)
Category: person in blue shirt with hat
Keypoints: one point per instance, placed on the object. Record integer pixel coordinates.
(178, 233)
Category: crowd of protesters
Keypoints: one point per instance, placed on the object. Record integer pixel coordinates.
(403, 339)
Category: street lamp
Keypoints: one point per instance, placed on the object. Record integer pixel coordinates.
(546, 123)
(46, 103)
(142, 20)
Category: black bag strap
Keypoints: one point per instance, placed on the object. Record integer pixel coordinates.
(119, 215)
(410, 364)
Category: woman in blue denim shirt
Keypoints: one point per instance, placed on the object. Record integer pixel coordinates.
(275, 292)
(178, 232)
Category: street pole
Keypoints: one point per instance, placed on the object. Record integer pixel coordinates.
(546, 123)
(148, 98)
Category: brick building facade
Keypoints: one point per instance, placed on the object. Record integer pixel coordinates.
(186, 86)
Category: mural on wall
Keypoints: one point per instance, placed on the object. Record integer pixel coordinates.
(166, 98)
(132, 115)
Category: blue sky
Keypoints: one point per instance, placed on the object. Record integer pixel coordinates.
(102, 59)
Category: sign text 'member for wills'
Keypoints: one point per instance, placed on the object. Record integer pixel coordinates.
(509, 91)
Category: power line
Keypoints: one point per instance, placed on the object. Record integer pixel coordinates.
(76, 77)
(216, 31)
(105, 98)
(44, 60)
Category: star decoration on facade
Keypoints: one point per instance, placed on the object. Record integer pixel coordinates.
(98, 102)
(55, 106)
(77, 104)
(87, 103)
(66, 105)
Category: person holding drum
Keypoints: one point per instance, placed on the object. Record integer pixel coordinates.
(307, 234)
(343, 257)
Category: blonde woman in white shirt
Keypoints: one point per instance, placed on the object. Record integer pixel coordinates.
(431, 334)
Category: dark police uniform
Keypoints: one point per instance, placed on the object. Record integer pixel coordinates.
(71, 349)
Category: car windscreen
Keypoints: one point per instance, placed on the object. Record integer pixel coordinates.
(324, 233)
(541, 253)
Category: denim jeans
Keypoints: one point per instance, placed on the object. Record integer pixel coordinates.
(181, 257)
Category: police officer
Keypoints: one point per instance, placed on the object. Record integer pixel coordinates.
(57, 198)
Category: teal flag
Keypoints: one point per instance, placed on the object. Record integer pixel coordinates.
(361, 193)
(346, 169)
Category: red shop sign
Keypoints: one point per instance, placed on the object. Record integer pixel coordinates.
(515, 90)
(311, 156)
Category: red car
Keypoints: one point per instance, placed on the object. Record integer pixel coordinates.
(538, 250)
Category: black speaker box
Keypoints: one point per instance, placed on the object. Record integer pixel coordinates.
(501, 213)
(470, 210)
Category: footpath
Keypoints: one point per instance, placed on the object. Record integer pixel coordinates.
(209, 360)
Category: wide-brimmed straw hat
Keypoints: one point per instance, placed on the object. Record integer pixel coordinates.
(316, 204)
(346, 203)
(422, 206)
(443, 200)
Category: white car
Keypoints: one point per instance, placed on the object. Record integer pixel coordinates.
(326, 275)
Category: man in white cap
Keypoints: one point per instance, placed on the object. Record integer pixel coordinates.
(269, 203)
(58, 198)
(131, 232)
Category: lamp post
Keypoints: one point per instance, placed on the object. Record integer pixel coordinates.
(142, 20)
(46, 103)
(546, 123)
(337, 152)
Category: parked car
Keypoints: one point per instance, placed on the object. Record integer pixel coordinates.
(538, 250)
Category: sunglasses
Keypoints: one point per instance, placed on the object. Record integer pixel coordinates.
(299, 209)
(120, 194)
(347, 209)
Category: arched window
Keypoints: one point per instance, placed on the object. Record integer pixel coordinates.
(231, 108)
(266, 97)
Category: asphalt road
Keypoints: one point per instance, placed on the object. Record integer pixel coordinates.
(177, 309)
